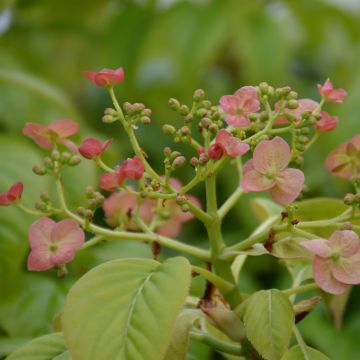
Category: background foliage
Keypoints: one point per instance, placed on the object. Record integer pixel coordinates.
(168, 48)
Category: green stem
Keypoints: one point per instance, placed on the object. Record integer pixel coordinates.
(301, 289)
(301, 343)
(230, 202)
(102, 165)
(216, 343)
(31, 211)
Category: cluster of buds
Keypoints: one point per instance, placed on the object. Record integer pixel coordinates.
(94, 201)
(173, 159)
(137, 113)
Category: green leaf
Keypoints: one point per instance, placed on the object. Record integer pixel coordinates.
(46, 347)
(289, 248)
(180, 338)
(296, 353)
(125, 309)
(269, 318)
(265, 208)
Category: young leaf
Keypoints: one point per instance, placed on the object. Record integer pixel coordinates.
(269, 318)
(296, 353)
(125, 309)
(46, 347)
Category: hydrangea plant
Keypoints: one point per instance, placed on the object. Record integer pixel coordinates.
(138, 308)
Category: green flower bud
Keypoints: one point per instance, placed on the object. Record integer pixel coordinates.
(184, 131)
(292, 104)
(74, 160)
(199, 94)
(55, 155)
(179, 161)
(110, 111)
(168, 129)
(145, 120)
(48, 162)
(174, 104)
(39, 170)
(184, 110)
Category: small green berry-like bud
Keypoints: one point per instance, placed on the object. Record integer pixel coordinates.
(264, 87)
(203, 159)
(181, 199)
(206, 122)
(349, 199)
(74, 160)
(213, 128)
(48, 162)
(168, 129)
(92, 203)
(300, 147)
(199, 94)
(129, 108)
(145, 120)
(264, 116)
(346, 226)
(39, 170)
(89, 214)
(206, 104)
(146, 112)
(167, 151)
(81, 211)
(303, 139)
(252, 117)
(174, 104)
(89, 192)
(44, 196)
(194, 161)
(201, 112)
(271, 91)
(184, 110)
(65, 157)
(184, 131)
(305, 131)
(108, 119)
(110, 111)
(185, 208)
(55, 155)
(175, 154)
(189, 118)
(40, 206)
(292, 104)
(292, 95)
(179, 161)
(299, 161)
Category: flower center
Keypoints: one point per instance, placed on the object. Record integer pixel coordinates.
(53, 247)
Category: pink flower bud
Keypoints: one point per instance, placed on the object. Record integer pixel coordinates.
(336, 263)
(55, 133)
(244, 102)
(106, 77)
(133, 168)
(268, 171)
(53, 244)
(332, 95)
(12, 195)
(92, 148)
(111, 181)
(216, 151)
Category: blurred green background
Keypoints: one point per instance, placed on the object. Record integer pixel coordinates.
(168, 48)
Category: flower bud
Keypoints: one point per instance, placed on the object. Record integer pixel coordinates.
(184, 131)
(284, 91)
(184, 110)
(167, 151)
(44, 196)
(264, 87)
(305, 131)
(146, 112)
(181, 199)
(202, 112)
(179, 161)
(206, 122)
(55, 155)
(174, 104)
(39, 170)
(213, 128)
(206, 104)
(349, 199)
(40, 206)
(199, 94)
(81, 211)
(300, 147)
(108, 119)
(89, 214)
(74, 160)
(48, 162)
(110, 111)
(264, 116)
(139, 106)
(346, 226)
(299, 161)
(292, 104)
(168, 129)
(189, 118)
(252, 117)
(292, 95)
(175, 154)
(303, 139)
(194, 161)
(203, 159)
(145, 120)
(185, 208)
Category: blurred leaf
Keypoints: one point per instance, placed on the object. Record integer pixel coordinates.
(269, 319)
(296, 353)
(265, 208)
(289, 248)
(145, 295)
(43, 348)
(8, 345)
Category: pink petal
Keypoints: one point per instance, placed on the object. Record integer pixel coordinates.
(249, 99)
(175, 183)
(271, 156)
(324, 278)
(249, 165)
(216, 151)
(254, 181)
(39, 260)
(90, 148)
(237, 120)
(90, 75)
(133, 168)
(304, 105)
(327, 122)
(232, 146)
(337, 96)
(15, 192)
(4, 200)
(63, 255)
(40, 232)
(356, 141)
(338, 162)
(68, 235)
(169, 228)
(69, 144)
(111, 181)
(106, 77)
(64, 127)
(320, 247)
(40, 134)
(347, 270)
(288, 186)
(229, 104)
(345, 241)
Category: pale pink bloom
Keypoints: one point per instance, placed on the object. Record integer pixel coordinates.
(332, 95)
(106, 77)
(244, 102)
(12, 195)
(111, 181)
(55, 133)
(327, 122)
(344, 161)
(336, 263)
(119, 207)
(268, 170)
(304, 105)
(92, 148)
(53, 244)
(133, 168)
(227, 145)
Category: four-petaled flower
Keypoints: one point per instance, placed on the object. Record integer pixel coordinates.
(336, 263)
(244, 102)
(55, 133)
(267, 170)
(344, 161)
(92, 148)
(53, 244)
(228, 145)
(332, 95)
(106, 77)
(12, 195)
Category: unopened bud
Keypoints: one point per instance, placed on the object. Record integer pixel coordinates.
(264, 116)
(44, 196)
(303, 139)
(189, 118)
(39, 170)
(65, 157)
(89, 214)
(305, 131)
(201, 112)
(184, 131)
(48, 162)
(74, 160)
(284, 91)
(206, 104)
(40, 206)
(184, 110)
(213, 128)
(203, 159)
(146, 112)
(55, 155)
(108, 119)
(179, 161)
(81, 211)
(145, 120)
(89, 192)
(346, 226)
(185, 208)
(175, 154)
(264, 87)
(174, 104)
(300, 147)
(206, 122)
(194, 161)
(181, 199)
(299, 161)
(292, 104)
(349, 199)
(168, 129)
(252, 117)
(199, 94)
(110, 111)
(293, 95)
(167, 151)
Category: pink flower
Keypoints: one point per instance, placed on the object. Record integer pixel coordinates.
(228, 145)
(119, 206)
(327, 122)
(106, 77)
(133, 168)
(244, 102)
(55, 133)
(344, 161)
(92, 148)
(267, 170)
(111, 181)
(332, 95)
(53, 244)
(336, 263)
(304, 105)
(12, 195)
